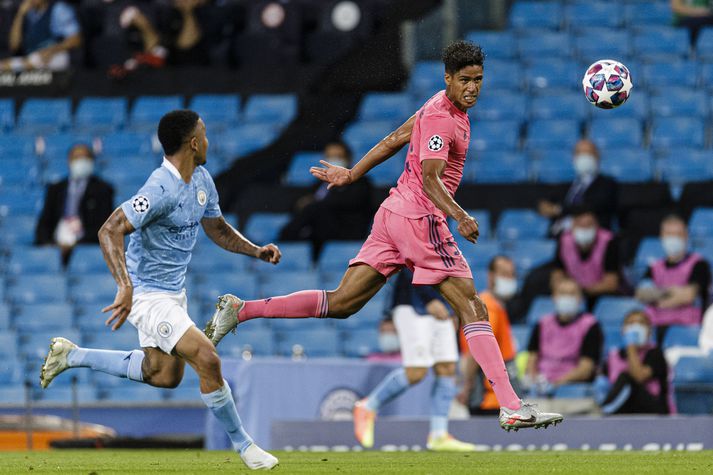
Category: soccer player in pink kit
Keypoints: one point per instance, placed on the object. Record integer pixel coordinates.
(410, 229)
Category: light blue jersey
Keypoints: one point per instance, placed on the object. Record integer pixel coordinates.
(166, 213)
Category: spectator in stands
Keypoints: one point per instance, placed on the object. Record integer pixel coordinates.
(588, 254)
(675, 288)
(590, 189)
(637, 373)
(42, 35)
(186, 30)
(692, 14)
(76, 207)
(152, 52)
(476, 392)
(564, 347)
(342, 213)
(389, 348)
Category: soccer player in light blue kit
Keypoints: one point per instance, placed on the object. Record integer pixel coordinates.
(163, 220)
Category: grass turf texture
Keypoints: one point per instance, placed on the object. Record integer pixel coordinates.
(100, 462)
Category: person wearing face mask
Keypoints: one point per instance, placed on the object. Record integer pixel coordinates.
(590, 189)
(637, 374)
(565, 347)
(76, 207)
(588, 254)
(426, 339)
(675, 288)
(477, 393)
(340, 213)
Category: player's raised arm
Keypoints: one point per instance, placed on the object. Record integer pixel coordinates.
(111, 240)
(382, 151)
(230, 239)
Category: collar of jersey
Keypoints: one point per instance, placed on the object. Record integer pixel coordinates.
(452, 105)
(171, 168)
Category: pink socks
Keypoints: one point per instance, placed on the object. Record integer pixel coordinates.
(484, 348)
(303, 304)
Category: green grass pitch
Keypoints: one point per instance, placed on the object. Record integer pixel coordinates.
(98, 462)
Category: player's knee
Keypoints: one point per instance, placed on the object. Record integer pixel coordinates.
(476, 311)
(340, 307)
(415, 375)
(208, 361)
(445, 369)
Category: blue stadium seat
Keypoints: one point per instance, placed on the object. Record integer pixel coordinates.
(701, 223)
(677, 132)
(627, 165)
(133, 393)
(286, 282)
(521, 336)
(19, 177)
(560, 133)
(18, 230)
(526, 15)
(360, 343)
(34, 260)
(265, 227)
(496, 44)
(496, 134)
(5, 317)
(360, 135)
(637, 106)
(56, 147)
(277, 108)
(148, 110)
(257, 341)
(314, 343)
(336, 255)
(555, 74)
(661, 43)
(617, 132)
(298, 173)
(540, 307)
(8, 345)
(7, 114)
(587, 14)
(517, 224)
(385, 106)
(387, 173)
(27, 203)
(45, 115)
(679, 74)
(209, 257)
(368, 317)
(594, 43)
(574, 391)
(553, 165)
(483, 218)
(216, 109)
(14, 394)
(101, 114)
(704, 48)
(35, 344)
(296, 256)
(560, 105)
(693, 369)
(124, 339)
(501, 105)
(692, 383)
(679, 102)
(509, 75)
(86, 393)
(10, 371)
(534, 45)
(704, 247)
(30, 289)
(87, 259)
(426, 78)
(246, 138)
(119, 145)
(679, 335)
(610, 311)
(17, 144)
(496, 166)
(530, 253)
(44, 316)
(648, 13)
(243, 285)
(480, 254)
(649, 250)
(93, 288)
(679, 165)
(89, 317)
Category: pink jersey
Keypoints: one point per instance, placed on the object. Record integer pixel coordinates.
(441, 132)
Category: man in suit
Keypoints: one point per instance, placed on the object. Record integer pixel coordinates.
(590, 189)
(76, 207)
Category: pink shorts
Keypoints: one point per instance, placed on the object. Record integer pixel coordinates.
(424, 245)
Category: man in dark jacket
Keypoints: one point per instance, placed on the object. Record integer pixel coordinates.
(76, 207)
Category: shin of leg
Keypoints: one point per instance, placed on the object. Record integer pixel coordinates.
(160, 369)
(415, 375)
(359, 284)
(460, 294)
(200, 353)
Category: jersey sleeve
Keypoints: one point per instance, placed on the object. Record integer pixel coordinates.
(437, 136)
(148, 204)
(212, 207)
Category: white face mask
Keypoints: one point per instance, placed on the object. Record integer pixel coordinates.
(339, 161)
(639, 333)
(81, 167)
(584, 236)
(504, 287)
(673, 246)
(585, 164)
(389, 342)
(566, 306)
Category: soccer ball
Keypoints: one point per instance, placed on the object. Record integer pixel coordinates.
(607, 84)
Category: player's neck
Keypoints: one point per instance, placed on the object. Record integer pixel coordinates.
(453, 101)
(184, 164)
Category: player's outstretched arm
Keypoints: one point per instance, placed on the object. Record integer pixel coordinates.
(230, 239)
(436, 191)
(385, 149)
(111, 240)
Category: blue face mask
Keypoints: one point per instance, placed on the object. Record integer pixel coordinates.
(389, 343)
(636, 334)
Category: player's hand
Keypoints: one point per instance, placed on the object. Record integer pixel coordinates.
(269, 253)
(468, 228)
(121, 308)
(332, 174)
(438, 309)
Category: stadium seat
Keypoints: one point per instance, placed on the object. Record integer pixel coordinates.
(692, 384)
(35, 344)
(385, 106)
(679, 335)
(55, 147)
(277, 109)
(483, 218)
(30, 289)
(5, 317)
(246, 138)
(509, 75)
(496, 44)
(209, 257)
(647, 13)
(40, 116)
(496, 135)
(89, 317)
(8, 345)
(27, 203)
(535, 44)
(530, 253)
(296, 256)
(18, 145)
(93, 288)
(637, 106)
(368, 317)
(336, 255)
(243, 285)
(700, 226)
(521, 337)
(628, 164)
(310, 343)
(692, 369)
(677, 132)
(618, 132)
(680, 102)
(649, 250)
(527, 15)
(480, 254)
(286, 282)
(148, 110)
(119, 145)
(574, 391)
(13, 394)
(559, 133)
(360, 343)
(560, 105)
(18, 230)
(559, 74)
(678, 166)
(426, 78)
(134, 393)
(597, 42)
(34, 260)
(298, 172)
(661, 43)
(554, 165)
(265, 227)
(7, 114)
(44, 316)
(256, 341)
(679, 74)
(360, 135)
(704, 48)
(216, 109)
(124, 339)
(501, 105)
(86, 393)
(101, 114)
(610, 311)
(87, 259)
(540, 307)
(580, 15)
(387, 173)
(496, 166)
(517, 224)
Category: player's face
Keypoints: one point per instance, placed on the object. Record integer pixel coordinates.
(463, 87)
(199, 143)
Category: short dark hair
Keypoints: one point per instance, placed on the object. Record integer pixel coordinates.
(461, 54)
(343, 145)
(495, 259)
(674, 217)
(84, 145)
(174, 128)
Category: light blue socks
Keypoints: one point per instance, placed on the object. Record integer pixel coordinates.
(124, 364)
(442, 394)
(222, 405)
(392, 386)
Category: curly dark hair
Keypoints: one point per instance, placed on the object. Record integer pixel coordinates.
(174, 128)
(461, 54)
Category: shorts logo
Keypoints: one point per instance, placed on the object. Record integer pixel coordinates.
(435, 143)
(141, 204)
(165, 329)
(202, 197)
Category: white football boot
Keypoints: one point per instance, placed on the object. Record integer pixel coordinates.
(56, 360)
(526, 417)
(225, 318)
(257, 459)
